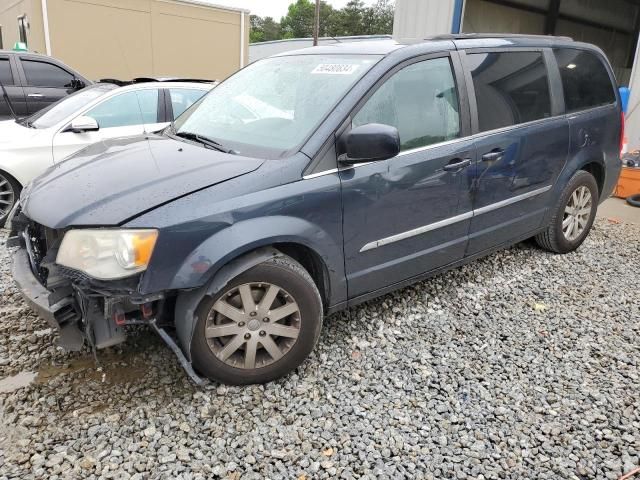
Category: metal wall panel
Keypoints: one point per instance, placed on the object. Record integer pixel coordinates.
(417, 19)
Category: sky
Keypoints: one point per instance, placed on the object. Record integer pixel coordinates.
(273, 8)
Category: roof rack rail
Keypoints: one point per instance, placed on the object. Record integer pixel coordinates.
(465, 36)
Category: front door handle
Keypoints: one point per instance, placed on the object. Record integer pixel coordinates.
(35, 95)
(457, 164)
(493, 155)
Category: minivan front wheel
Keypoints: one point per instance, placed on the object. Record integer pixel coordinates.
(573, 215)
(262, 325)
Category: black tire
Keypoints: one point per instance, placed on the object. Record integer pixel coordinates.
(295, 281)
(553, 238)
(11, 186)
(634, 200)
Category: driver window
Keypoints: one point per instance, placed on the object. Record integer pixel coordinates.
(131, 108)
(420, 100)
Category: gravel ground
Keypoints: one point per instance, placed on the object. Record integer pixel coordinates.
(521, 365)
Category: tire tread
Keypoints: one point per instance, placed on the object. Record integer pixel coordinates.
(548, 238)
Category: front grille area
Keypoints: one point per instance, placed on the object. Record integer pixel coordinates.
(39, 241)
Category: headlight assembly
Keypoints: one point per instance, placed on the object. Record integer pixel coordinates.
(107, 254)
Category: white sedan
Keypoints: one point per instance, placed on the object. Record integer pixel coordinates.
(102, 111)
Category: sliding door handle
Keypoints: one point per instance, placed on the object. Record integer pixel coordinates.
(457, 164)
(35, 95)
(493, 155)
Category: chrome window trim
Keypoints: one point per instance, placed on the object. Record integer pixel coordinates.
(475, 136)
(336, 170)
(449, 142)
(450, 221)
(320, 174)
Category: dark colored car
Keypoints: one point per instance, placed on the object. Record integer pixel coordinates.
(34, 81)
(315, 180)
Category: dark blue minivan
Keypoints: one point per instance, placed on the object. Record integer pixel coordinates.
(312, 181)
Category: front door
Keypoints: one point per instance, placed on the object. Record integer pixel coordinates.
(122, 115)
(522, 145)
(410, 214)
(45, 83)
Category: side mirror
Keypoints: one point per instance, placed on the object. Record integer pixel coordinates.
(369, 143)
(77, 84)
(83, 124)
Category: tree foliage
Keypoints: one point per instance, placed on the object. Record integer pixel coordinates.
(354, 19)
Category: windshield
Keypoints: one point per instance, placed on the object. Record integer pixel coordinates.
(56, 112)
(274, 104)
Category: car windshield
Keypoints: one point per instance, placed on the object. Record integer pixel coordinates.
(56, 112)
(272, 105)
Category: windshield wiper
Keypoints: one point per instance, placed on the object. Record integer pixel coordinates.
(205, 141)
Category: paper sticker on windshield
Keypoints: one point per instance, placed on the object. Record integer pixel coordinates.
(335, 68)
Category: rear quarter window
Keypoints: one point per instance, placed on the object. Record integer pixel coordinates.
(585, 80)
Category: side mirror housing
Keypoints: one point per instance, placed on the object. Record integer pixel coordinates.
(369, 143)
(77, 84)
(83, 124)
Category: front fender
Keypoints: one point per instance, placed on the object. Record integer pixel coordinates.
(207, 258)
(188, 301)
(24, 165)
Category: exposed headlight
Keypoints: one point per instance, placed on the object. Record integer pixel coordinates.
(107, 254)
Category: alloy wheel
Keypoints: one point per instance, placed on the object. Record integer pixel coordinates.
(577, 213)
(253, 325)
(6, 196)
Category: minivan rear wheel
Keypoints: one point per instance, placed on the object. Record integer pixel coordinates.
(262, 325)
(573, 215)
(9, 193)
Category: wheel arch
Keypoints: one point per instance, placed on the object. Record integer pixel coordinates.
(187, 301)
(10, 173)
(587, 160)
(596, 169)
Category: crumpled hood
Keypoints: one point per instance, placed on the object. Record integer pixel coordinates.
(12, 132)
(113, 181)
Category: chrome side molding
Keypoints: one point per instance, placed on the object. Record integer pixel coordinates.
(450, 221)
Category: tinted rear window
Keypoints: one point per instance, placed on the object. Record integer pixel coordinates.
(511, 88)
(585, 79)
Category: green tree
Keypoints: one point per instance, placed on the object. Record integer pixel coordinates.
(353, 19)
(256, 34)
(298, 23)
(264, 29)
(382, 17)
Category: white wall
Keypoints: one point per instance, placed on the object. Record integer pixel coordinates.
(417, 19)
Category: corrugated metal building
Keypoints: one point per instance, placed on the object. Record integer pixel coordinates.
(613, 25)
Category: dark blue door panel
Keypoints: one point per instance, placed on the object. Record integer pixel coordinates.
(514, 172)
(405, 216)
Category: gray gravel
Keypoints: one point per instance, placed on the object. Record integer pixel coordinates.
(521, 365)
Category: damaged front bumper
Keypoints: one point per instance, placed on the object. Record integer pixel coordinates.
(56, 315)
(63, 313)
(77, 317)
